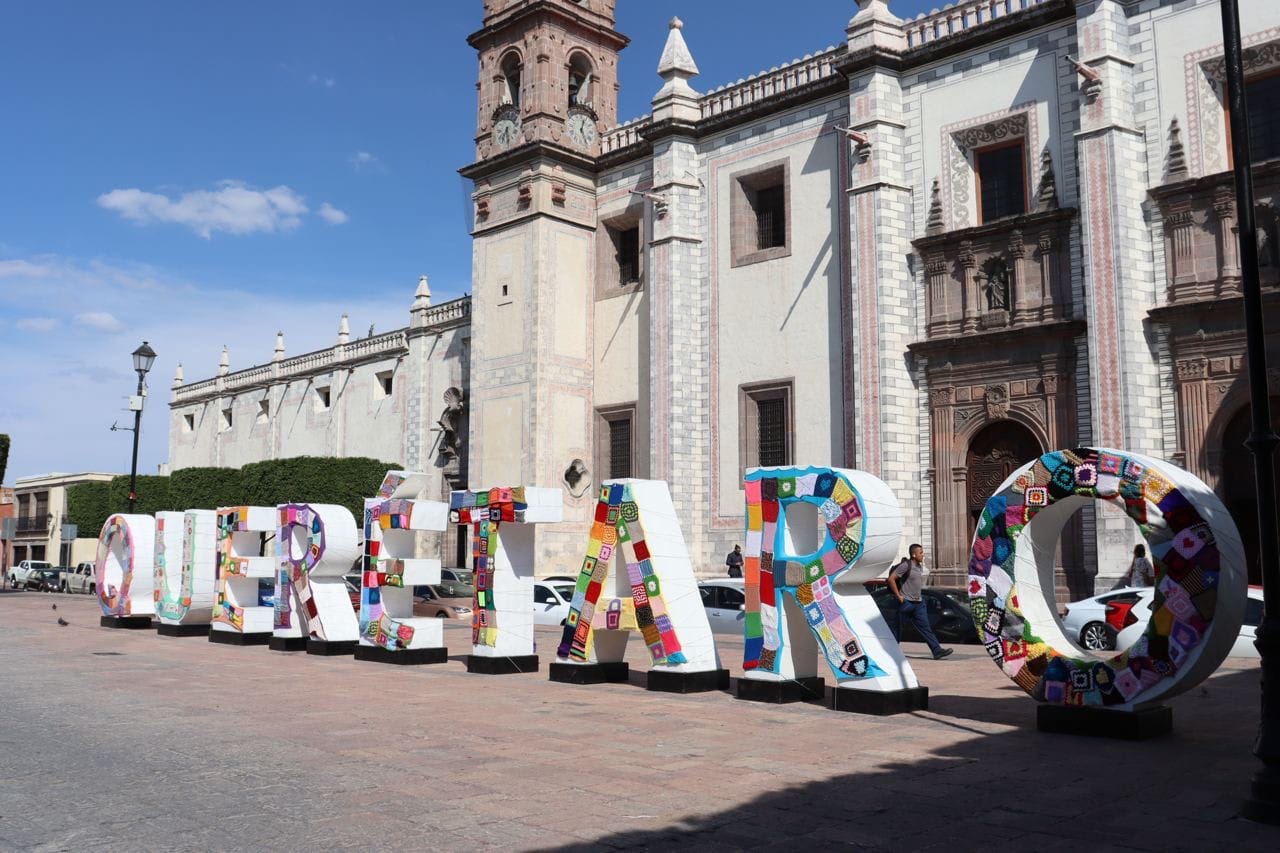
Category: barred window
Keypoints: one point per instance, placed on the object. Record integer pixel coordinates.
(627, 245)
(769, 205)
(615, 442)
(1002, 185)
(771, 432)
(1263, 96)
(620, 448)
(766, 437)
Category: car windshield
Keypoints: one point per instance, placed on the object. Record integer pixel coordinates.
(565, 590)
(464, 576)
(38, 565)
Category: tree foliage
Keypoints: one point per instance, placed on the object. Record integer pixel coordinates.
(4, 455)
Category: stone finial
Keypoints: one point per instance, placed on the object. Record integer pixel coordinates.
(344, 330)
(279, 351)
(177, 376)
(676, 68)
(874, 26)
(224, 362)
(1047, 195)
(1175, 163)
(935, 223)
(422, 296)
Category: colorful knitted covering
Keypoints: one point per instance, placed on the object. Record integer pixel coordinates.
(485, 512)
(618, 526)
(1184, 553)
(771, 572)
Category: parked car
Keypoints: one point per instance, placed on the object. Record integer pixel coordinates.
(1109, 621)
(43, 580)
(431, 600)
(1116, 619)
(948, 609)
(1244, 647)
(559, 579)
(457, 583)
(551, 602)
(19, 574)
(79, 579)
(725, 603)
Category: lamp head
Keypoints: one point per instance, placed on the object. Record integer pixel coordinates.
(143, 357)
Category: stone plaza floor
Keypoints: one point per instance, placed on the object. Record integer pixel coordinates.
(126, 740)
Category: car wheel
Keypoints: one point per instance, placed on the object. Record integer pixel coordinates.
(93, 589)
(440, 614)
(64, 588)
(1098, 637)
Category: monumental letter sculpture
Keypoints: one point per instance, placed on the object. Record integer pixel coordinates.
(389, 632)
(655, 594)
(124, 571)
(243, 560)
(1197, 607)
(805, 594)
(315, 545)
(504, 523)
(185, 563)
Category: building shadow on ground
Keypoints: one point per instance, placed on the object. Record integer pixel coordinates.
(990, 790)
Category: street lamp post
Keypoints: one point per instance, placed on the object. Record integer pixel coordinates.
(143, 357)
(1264, 801)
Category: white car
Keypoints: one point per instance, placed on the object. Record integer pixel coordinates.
(1116, 619)
(725, 603)
(26, 571)
(1109, 621)
(551, 602)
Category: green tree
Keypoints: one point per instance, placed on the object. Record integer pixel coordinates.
(4, 455)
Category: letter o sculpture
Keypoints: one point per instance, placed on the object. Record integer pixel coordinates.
(1200, 579)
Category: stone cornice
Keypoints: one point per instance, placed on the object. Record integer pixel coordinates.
(996, 340)
(1193, 186)
(517, 157)
(504, 19)
(1025, 222)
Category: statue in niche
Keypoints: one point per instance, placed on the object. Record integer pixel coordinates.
(1265, 233)
(450, 423)
(995, 284)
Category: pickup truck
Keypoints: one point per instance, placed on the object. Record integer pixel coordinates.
(79, 579)
(21, 573)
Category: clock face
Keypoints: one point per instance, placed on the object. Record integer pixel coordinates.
(504, 132)
(582, 129)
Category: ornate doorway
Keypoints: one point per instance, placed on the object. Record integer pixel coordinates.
(1238, 484)
(995, 452)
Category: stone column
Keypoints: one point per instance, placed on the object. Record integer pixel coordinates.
(1020, 305)
(679, 303)
(945, 512)
(970, 299)
(1224, 208)
(1045, 310)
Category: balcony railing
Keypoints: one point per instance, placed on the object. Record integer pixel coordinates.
(956, 18)
(35, 523)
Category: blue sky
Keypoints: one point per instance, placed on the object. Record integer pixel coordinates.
(202, 175)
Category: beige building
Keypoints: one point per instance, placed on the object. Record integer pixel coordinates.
(931, 251)
(41, 518)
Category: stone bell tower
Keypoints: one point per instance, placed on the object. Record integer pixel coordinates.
(547, 88)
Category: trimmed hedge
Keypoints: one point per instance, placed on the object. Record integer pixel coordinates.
(88, 505)
(311, 479)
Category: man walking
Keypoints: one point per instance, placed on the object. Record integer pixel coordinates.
(734, 562)
(905, 582)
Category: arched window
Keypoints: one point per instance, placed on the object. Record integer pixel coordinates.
(510, 91)
(994, 279)
(580, 81)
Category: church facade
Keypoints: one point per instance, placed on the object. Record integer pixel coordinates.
(932, 252)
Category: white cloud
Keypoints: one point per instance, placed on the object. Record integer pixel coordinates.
(363, 160)
(331, 214)
(37, 324)
(100, 320)
(26, 269)
(319, 80)
(233, 207)
(184, 321)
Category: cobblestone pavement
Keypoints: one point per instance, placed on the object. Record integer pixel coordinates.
(127, 740)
